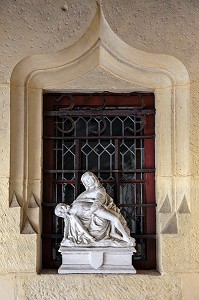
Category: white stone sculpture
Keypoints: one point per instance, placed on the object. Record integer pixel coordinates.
(92, 224)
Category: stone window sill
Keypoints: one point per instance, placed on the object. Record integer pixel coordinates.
(150, 273)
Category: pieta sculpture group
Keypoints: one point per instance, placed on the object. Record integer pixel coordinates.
(93, 220)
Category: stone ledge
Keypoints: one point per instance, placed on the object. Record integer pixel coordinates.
(139, 273)
(86, 269)
(97, 260)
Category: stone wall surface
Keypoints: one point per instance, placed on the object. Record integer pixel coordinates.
(56, 287)
(169, 27)
(46, 26)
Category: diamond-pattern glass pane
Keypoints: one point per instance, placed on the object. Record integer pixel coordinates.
(97, 155)
(127, 151)
(129, 123)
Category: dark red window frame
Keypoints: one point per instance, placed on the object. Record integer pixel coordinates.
(141, 104)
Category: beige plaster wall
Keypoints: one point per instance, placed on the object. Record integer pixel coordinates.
(47, 26)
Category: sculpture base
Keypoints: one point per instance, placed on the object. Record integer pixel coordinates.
(96, 260)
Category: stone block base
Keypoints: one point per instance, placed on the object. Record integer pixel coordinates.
(97, 260)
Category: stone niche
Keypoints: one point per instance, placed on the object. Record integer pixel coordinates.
(101, 61)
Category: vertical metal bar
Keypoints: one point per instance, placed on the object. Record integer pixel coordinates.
(117, 174)
(86, 142)
(98, 160)
(62, 165)
(56, 154)
(77, 166)
(142, 199)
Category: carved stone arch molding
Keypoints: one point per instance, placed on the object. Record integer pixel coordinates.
(101, 61)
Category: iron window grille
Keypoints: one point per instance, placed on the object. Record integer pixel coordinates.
(112, 135)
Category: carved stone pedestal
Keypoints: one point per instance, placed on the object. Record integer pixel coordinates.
(97, 260)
